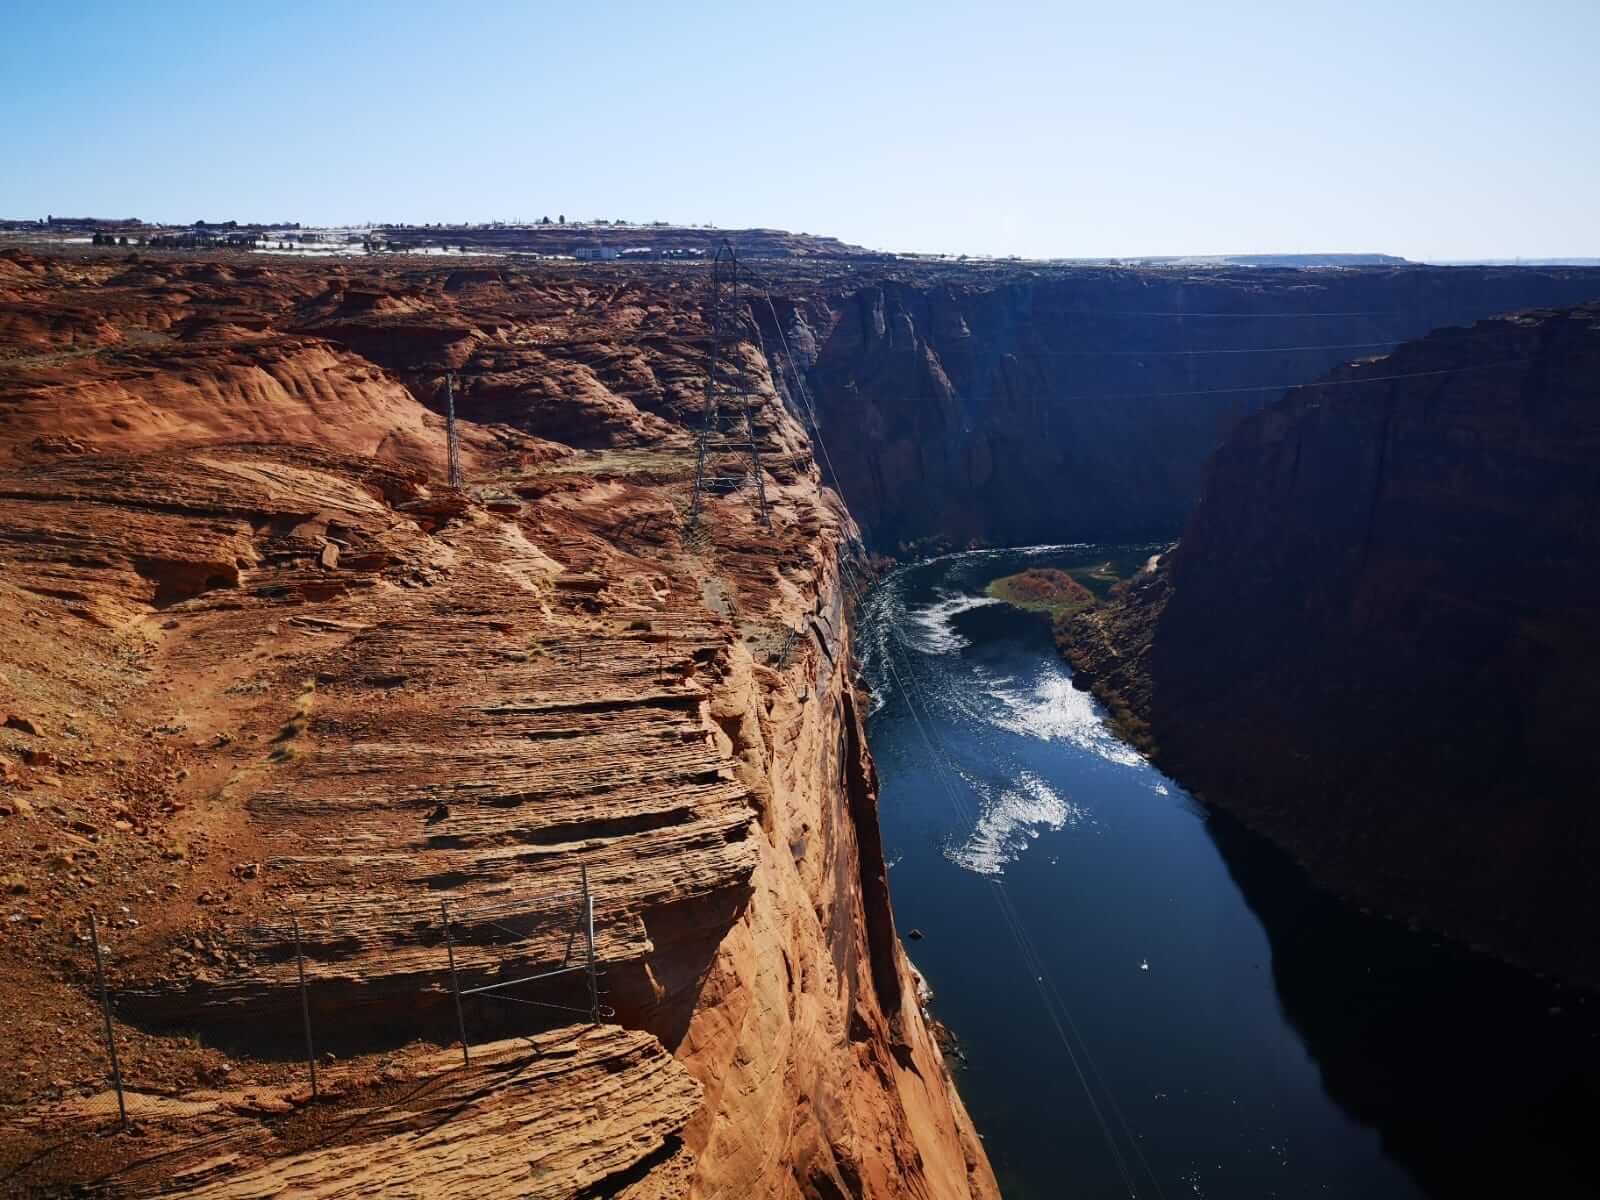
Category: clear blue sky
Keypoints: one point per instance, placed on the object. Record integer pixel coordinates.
(1429, 129)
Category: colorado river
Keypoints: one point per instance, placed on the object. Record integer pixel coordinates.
(1240, 1034)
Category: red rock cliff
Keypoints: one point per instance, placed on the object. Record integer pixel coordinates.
(1377, 639)
(258, 661)
(1023, 406)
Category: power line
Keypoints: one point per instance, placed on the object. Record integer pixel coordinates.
(1266, 387)
(1273, 387)
(1182, 316)
(728, 448)
(1031, 960)
(1189, 353)
(1284, 387)
(1111, 1096)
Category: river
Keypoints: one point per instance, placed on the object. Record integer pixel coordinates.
(1148, 999)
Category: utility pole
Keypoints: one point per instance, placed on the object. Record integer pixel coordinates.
(727, 452)
(455, 983)
(105, 1008)
(305, 1007)
(588, 937)
(452, 439)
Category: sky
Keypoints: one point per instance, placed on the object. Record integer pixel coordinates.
(1432, 130)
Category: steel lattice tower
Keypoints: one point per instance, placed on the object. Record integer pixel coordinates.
(727, 451)
(452, 439)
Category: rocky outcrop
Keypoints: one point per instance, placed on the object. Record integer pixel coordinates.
(277, 671)
(1064, 405)
(505, 1126)
(1376, 642)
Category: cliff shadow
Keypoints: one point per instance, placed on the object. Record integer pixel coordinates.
(1481, 1078)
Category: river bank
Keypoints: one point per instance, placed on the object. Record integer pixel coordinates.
(1241, 1033)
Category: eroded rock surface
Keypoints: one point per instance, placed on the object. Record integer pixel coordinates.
(576, 1112)
(276, 669)
(1055, 405)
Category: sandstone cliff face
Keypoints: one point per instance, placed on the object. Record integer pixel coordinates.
(1062, 405)
(1377, 641)
(264, 663)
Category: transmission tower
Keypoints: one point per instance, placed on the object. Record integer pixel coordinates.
(452, 439)
(727, 452)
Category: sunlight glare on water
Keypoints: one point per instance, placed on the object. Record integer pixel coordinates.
(1009, 820)
(1244, 1035)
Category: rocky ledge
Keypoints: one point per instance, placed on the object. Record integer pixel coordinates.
(422, 1125)
(259, 665)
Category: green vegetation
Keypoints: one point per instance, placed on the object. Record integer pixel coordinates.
(1044, 590)
(1108, 577)
(1099, 578)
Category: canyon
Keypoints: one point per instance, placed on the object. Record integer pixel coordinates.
(1028, 406)
(261, 663)
(1375, 642)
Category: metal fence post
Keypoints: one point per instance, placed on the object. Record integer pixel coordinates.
(305, 1006)
(455, 984)
(588, 933)
(572, 934)
(105, 1005)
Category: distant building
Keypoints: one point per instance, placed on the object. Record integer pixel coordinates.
(596, 253)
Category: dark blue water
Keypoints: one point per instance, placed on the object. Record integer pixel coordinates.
(1194, 1019)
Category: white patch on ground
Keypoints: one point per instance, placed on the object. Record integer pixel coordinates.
(1010, 821)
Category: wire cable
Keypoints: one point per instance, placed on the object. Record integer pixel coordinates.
(1276, 387)
(1059, 1013)
(1031, 353)
(1322, 383)
(1277, 316)
(1031, 961)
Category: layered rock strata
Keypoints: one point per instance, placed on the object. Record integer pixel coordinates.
(422, 1126)
(1376, 641)
(265, 667)
(1054, 405)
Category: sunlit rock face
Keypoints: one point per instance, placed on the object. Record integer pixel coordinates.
(1377, 640)
(254, 645)
(1081, 405)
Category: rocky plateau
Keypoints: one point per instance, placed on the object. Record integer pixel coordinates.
(260, 667)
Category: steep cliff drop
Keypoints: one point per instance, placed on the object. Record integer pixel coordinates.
(261, 665)
(1376, 642)
(1030, 405)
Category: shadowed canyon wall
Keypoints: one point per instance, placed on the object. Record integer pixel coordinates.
(1377, 640)
(1061, 405)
